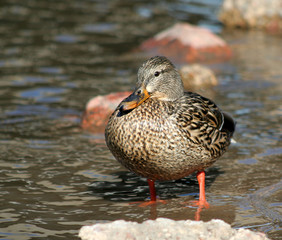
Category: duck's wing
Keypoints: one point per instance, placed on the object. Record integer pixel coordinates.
(202, 121)
(194, 109)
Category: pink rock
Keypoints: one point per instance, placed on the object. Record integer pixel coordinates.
(187, 43)
(99, 109)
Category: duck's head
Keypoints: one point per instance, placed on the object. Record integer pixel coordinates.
(157, 78)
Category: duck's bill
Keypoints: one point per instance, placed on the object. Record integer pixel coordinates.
(135, 99)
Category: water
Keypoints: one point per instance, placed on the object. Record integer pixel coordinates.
(55, 177)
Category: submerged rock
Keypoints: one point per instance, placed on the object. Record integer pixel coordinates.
(163, 228)
(99, 109)
(196, 76)
(187, 43)
(262, 14)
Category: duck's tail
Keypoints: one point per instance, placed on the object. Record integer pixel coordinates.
(229, 124)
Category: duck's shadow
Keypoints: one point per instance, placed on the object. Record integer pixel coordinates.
(130, 187)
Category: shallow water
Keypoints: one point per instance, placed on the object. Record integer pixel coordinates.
(55, 177)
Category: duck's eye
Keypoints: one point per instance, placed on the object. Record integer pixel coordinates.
(139, 92)
(157, 73)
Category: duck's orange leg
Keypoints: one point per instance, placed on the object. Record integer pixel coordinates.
(152, 188)
(153, 195)
(202, 198)
(202, 202)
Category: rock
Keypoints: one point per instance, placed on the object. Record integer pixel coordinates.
(262, 14)
(187, 43)
(196, 76)
(99, 109)
(163, 228)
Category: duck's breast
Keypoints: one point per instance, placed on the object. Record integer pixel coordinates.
(148, 141)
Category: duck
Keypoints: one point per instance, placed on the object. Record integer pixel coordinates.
(162, 132)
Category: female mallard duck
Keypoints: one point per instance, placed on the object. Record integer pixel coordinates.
(163, 133)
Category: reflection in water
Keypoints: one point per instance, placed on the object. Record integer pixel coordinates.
(126, 186)
(55, 177)
(258, 200)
